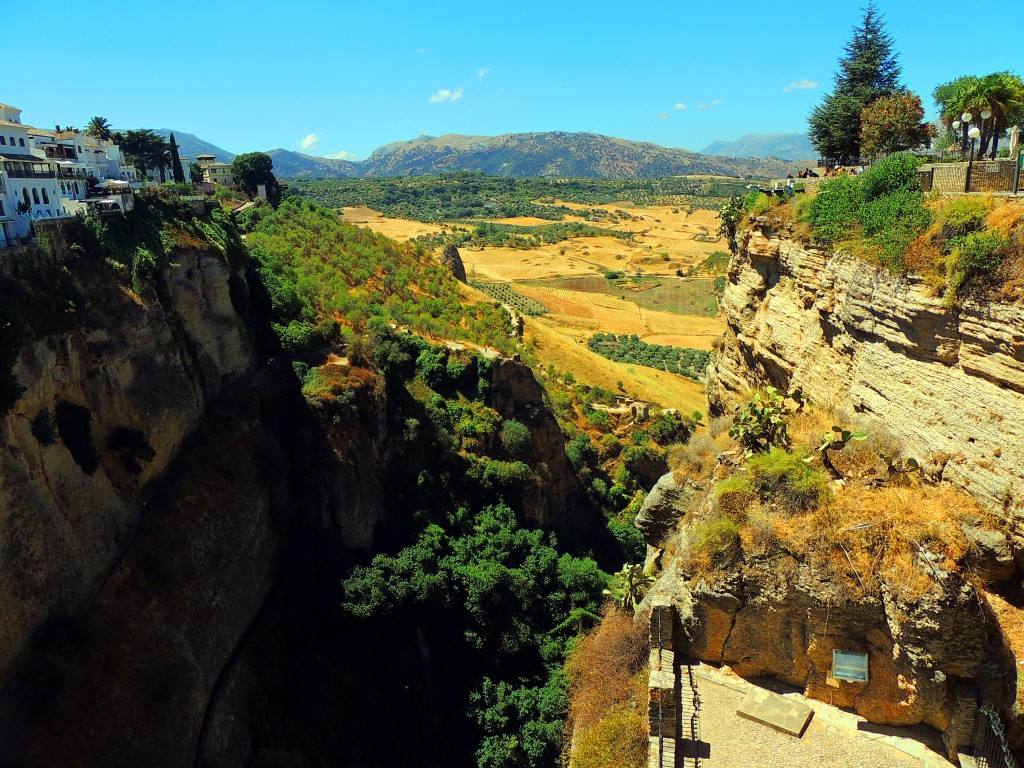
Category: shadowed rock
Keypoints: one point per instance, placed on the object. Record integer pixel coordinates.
(451, 259)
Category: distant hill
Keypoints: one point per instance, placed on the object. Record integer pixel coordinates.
(190, 145)
(527, 155)
(783, 146)
(292, 165)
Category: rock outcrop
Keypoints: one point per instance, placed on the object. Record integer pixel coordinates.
(663, 507)
(779, 620)
(146, 366)
(452, 261)
(947, 382)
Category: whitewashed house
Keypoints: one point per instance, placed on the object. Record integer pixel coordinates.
(48, 174)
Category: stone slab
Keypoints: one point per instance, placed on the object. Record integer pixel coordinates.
(778, 712)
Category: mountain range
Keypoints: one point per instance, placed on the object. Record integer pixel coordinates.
(782, 146)
(552, 154)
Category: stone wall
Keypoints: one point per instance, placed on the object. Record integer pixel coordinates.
(946, 382)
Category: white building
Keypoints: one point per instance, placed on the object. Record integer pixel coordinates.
(45, 174)
(215, 172)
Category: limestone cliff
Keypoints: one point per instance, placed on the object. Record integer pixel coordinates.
(143, 366)
(947, 382)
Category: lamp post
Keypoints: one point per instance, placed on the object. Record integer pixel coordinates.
(986, 113)
(965, 120)
(974, 133)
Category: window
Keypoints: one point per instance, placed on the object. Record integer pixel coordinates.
(35, 195)
(3, 141)
(21, 142)
(2, 208)
(24, 193)
(46, 198)
(63, 189)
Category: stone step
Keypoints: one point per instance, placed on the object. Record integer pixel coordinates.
(778, 712)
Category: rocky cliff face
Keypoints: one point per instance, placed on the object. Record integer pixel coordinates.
(947, 382)
(128, 384)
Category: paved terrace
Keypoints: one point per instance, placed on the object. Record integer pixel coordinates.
(832, 739)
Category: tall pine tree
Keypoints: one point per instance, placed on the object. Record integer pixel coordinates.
(176, 169)
(868, 70)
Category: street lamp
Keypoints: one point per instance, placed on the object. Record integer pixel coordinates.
(986, 113)
(974, 133)
(965, 120)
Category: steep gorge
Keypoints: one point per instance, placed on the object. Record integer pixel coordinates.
(187, 527)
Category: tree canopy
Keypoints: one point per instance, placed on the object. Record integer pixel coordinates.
(254, 168)
(893, 123)
(145, 150)
(1001, 92)
(868, 70)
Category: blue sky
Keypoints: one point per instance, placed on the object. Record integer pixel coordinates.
(340, 78)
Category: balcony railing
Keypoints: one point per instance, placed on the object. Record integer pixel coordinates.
(21, 173)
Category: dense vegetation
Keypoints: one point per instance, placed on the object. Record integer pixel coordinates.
(625, 348)
(467, 195)
(517, 235)
(325, 278)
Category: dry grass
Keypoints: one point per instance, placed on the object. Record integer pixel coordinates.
(869, 530)
(607, 674)
(555, 346)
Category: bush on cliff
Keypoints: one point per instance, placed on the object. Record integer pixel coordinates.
(879, 213)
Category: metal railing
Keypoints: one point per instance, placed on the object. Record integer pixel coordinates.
(21, 173)
(991, 748)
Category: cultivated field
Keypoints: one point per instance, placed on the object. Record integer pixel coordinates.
(665, 239)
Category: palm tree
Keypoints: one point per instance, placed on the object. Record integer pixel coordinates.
(1002, 93)
(99, 128)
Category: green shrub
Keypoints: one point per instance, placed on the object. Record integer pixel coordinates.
(515, 437)
(787, 480)
(581, 451)
(893, 174)
(719, 540)
(761, 422)
(963, 216)
(832, 214)
(975, 258)
(891, 223)
(505, 474)
(761, 205)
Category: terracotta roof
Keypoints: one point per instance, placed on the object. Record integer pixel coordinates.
(64, 135)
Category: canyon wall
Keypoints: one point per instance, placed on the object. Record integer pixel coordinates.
(948, 382)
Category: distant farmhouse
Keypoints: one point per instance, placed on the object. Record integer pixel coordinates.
(54, 174)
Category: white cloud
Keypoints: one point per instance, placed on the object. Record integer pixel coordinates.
(339, 155)
(680, 105)
(702, 106)
(800, 85)
(445, 94)
(664, 116)
(310, 143)
(482, 72)
(422, 51)
(716, 102)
